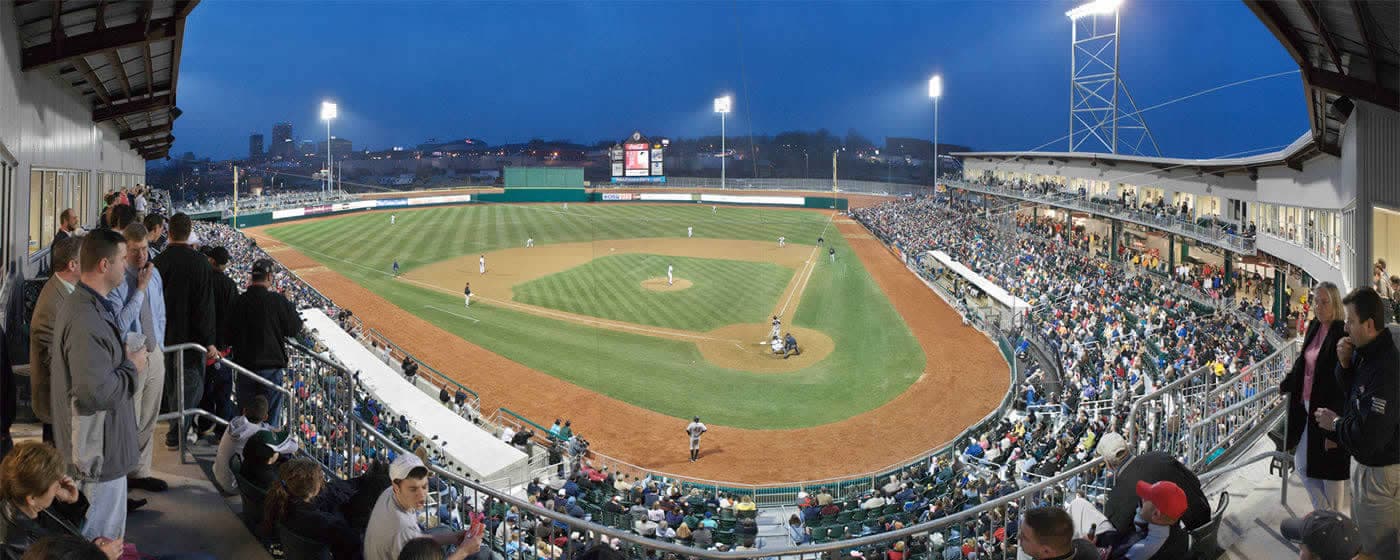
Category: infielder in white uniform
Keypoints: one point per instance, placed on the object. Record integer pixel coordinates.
(483, 264)
(694, 430)
(670, 280)
(529, 242)
(690, 231)
(782, 242)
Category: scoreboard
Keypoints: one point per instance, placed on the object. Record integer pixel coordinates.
(639, 159)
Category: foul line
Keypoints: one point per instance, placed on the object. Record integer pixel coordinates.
(808, 270)
(474, 320)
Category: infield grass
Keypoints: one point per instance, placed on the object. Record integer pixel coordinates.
(876, 357)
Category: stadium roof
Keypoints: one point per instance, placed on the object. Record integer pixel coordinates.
(123, 57)
(1345, 49)
(1293, 156)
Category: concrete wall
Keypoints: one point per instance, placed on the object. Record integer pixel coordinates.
(45, 124)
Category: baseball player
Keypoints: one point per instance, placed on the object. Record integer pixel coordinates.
(670, 280)
(529, 242)
(690, 231)
(777, 327)
(820, 240)
(482, 265)
(714, 209)
(694, 430)
(782, 241)
(832, 251)
(393, 218)
(467, 291)
(396, 267)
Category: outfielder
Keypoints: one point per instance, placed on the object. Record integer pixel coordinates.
(393, 218)
(467, 291)
(529, 242)
(690, 231)
(832, 251)
(782, 241)
(694, 430)
(396, 267)
(482, 262)
(670, 280)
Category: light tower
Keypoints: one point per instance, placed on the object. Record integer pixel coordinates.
(1098, 121)
(722, 106)
(328, 114)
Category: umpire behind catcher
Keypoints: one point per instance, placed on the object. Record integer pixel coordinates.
(259, 323)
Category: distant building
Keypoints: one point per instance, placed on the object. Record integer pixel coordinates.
(255, 147)
(282, 145)
(340, 147)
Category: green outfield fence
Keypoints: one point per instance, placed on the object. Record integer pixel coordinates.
(544, 177)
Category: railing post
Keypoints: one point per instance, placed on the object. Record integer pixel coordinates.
(180, 376)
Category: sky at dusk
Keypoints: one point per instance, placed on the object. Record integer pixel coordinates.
(403, 72)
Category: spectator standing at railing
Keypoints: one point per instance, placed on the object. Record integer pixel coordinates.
(155, 233)
(1368, 425)
(63, 261)
(261, 321)
(189, 305)
(139, 302)
(94, 378)
(1322, 463)
(218, 377)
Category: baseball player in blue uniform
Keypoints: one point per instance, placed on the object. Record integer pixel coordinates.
(396, 267)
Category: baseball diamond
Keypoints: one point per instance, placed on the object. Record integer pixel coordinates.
(576, 307)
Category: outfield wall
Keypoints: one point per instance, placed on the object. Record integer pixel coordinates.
(522, 196)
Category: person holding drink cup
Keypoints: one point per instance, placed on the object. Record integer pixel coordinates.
(139, 303)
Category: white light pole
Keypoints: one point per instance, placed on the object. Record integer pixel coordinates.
(722, 106)
(328, 113)
(935, 90)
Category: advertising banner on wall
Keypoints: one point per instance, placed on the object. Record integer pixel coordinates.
(732, 199)
(619, 196)
(321, 209)
(288, 213)
(447, 199)
(667, 197)
(391, 202)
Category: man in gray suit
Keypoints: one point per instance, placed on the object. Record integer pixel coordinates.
(63, 258)
(94, 379)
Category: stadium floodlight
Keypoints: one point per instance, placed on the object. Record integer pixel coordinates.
(935, 91)
(722, 106)
(1095, 8)
(329, 110)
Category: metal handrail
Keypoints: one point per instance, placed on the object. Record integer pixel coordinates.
(1212, 475)
(1266, 393)
(180, 349)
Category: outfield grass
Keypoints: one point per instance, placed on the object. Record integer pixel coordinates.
(725, 292)
(876, 356)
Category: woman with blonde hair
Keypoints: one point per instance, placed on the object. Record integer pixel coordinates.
(1322, 463)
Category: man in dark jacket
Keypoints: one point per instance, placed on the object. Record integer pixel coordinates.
(260, 322)
(94, 377)
(189, 308)
(219, 378)
(1150, 467)
(1368, 367)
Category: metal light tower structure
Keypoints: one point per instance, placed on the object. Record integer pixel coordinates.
(328, 113)
(1098, 122)
(722, 106)
(935, 91)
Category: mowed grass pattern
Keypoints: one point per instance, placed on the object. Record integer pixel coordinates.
(876, 356)
(724, 291)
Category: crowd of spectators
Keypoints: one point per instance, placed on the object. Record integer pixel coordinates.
(266, 201)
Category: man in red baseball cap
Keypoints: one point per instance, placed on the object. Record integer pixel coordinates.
(1157, 532)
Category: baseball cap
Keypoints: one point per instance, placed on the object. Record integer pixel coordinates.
(403, 465)
(1166, 495)
(1328, 534)
(1112, 446)
(263, 266)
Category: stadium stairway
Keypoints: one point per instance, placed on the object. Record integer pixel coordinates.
(1250, 529)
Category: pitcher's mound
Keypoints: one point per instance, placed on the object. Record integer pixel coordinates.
(660, 285)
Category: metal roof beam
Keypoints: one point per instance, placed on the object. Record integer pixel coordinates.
(115, 59)
(109, 112)
(1314, 17)
(1372, 60)
(112, 38)
(86, 70)
(130, 134)
(148, 144)
(1339, 84)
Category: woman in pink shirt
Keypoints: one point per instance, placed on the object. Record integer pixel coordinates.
(1321, 462)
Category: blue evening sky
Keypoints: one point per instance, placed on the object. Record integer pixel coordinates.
(404, 72)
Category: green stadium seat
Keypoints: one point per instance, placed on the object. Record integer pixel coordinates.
(821, 534)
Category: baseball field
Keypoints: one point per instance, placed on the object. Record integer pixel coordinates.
(585, 324)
